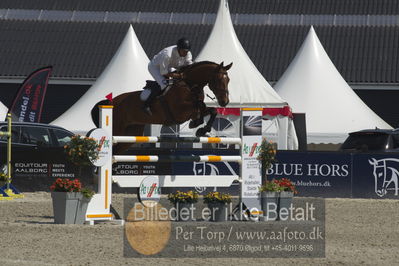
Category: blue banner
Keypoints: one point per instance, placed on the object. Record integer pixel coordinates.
(375, 176)
(315, 174)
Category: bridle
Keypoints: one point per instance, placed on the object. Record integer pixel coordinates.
(220, 77)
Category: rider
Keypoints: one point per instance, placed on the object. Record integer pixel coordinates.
(165, 62)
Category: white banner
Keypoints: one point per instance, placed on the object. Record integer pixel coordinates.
(251, 170)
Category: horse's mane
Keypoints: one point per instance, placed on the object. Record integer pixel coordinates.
(196, 64)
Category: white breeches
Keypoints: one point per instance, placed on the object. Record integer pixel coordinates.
(156, 74)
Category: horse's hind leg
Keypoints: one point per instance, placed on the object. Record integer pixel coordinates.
(132, 130)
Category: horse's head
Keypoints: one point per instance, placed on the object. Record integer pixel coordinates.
(219, 84)
(379, 173)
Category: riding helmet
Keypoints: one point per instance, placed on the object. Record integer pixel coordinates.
(183, 44)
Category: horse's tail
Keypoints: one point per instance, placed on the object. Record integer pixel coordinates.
(95, 111)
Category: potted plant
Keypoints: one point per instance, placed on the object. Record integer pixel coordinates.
(183, 202)
(287, 192)
(270, 192)
(267, 154)
(69, 201)
(217, 202)
(81, 151)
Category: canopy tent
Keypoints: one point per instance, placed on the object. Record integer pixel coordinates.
(117, 78)
(312, 85)
(247, 87)
(3, 111)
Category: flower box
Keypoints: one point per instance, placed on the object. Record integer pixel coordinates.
(70, 201)
(66, 207)
(270, 201)
(218, 204)
(184, 204)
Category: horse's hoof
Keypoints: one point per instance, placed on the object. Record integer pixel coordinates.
(201, 132)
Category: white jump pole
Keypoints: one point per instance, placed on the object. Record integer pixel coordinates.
(152, 139)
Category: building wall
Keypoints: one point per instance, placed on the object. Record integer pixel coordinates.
(384, 103)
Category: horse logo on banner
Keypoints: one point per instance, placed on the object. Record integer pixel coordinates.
(205, 168)
(385, 175)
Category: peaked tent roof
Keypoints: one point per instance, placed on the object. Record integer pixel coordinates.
(247, 85)
(127, 71)
(3, 112)
(312, 85)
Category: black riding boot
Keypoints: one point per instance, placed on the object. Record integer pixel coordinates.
(155, 90)
(147, 105)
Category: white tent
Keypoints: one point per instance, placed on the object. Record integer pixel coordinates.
(127, 71)
(312, 85)
(247, 85)
(248, 88)
(3, 111)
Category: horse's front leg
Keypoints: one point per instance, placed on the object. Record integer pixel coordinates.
(213, 113)
(208, 127)
(197, 118)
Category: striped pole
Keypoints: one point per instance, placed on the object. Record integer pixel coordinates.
(175, 158)
(144, 139)
(8, 191)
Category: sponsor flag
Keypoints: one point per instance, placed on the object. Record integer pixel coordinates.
(28, 102)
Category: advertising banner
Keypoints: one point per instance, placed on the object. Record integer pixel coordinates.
(38, 174)
(251, 170)
(104, 141)
(28, 102)
(315, 174)
(146, 168)
(376, 176)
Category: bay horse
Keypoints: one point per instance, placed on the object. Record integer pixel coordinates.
(181, 102)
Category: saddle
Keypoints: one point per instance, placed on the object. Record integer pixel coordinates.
(151, 88)
(151, 85)
(151, 91)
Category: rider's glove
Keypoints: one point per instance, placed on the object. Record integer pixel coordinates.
(174, 75)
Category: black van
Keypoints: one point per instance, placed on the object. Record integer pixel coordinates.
(378, 140)
(37, 156)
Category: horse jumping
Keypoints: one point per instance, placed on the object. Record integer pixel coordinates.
(181, 102)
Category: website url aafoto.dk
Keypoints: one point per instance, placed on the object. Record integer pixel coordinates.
(301, 183)
(281, 235)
